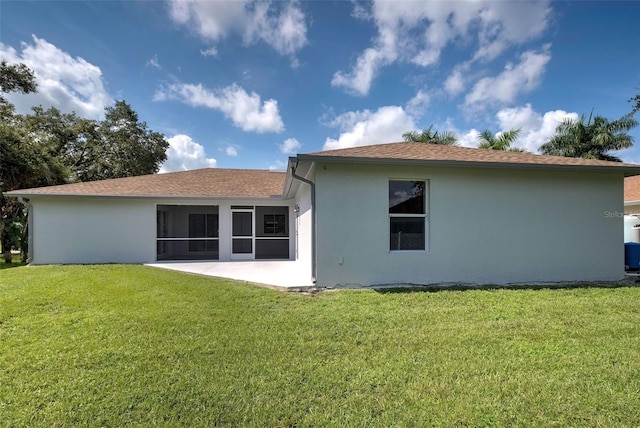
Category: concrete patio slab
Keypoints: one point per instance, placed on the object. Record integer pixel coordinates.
(286, 274)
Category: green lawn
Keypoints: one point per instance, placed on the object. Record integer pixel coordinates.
(138, 346)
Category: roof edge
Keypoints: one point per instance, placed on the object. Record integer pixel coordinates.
(20, 194)
(628, 169)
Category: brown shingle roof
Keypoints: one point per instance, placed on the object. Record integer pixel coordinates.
(632, 188)
(210, 182)
(409, 151)
(219, 182)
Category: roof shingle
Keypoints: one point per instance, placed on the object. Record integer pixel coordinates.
(209, 182)
(632, 188)
(251, 183)
(410, 151)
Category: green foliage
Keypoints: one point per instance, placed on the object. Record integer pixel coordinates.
(593, 138)
(16, 78)
(636, 104)
(502, 141)
(429, 136)
(138, 346)
(118, 146)
(129, 148)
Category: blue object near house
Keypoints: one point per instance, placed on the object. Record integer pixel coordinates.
(632, 255)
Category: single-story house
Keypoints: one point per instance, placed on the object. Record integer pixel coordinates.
(393, 213)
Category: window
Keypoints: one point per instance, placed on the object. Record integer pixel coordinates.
(272, 233)
(274, 224)
(162, 231)
(187, 232)
(407, 215)
(203, 226)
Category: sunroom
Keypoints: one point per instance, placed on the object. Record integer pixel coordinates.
(224, 232)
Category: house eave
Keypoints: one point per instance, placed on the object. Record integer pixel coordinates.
(627, 170)
(291, 185)
(142, 196)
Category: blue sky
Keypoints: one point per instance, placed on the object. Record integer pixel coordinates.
(245, 84)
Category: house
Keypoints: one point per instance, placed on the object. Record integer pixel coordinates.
(382, 214)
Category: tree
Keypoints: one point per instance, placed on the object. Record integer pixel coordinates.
(592, 138)
(118, 146)
(16, 78)
(636, 102)
(500, 141)
(429, 136)
(73, 141)
(126, 147)
(15, 162)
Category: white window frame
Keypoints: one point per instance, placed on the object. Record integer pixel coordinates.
(424, 216)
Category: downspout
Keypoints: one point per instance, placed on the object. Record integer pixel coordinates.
(313, 218)
(24, 201)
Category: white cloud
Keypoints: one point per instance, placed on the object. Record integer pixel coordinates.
(278, 165)
(153, 62)
(514, 79)
(537, 129)
(387, 124)
(286, 32)
(418, 31)
(358, 81)
(507, 23)
(67, 83)
(212, 20)
(290, 146)
(231, 151)
(247, 111)
(455, 83)
(212, 51)
(184, 154)
(418, 104)
(468, 138)
(281, 25)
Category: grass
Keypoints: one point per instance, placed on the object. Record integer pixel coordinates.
(138, 346)
(15, 262)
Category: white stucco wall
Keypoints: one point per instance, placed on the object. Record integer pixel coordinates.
(484, 226)
(93, 230)
(119, 230)
(304, 224)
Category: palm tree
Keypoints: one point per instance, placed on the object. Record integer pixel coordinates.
(636, 100)
(429, 136)
(591, 139)
(501, 141)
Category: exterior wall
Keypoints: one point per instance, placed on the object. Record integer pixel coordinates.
(304, 223)
(118, 230)
(93, 230)
(484, 226)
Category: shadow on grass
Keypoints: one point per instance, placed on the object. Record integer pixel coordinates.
(413, 288)
(4, 265)
(15, 262)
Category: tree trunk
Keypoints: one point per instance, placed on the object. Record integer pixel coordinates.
(6, 247)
